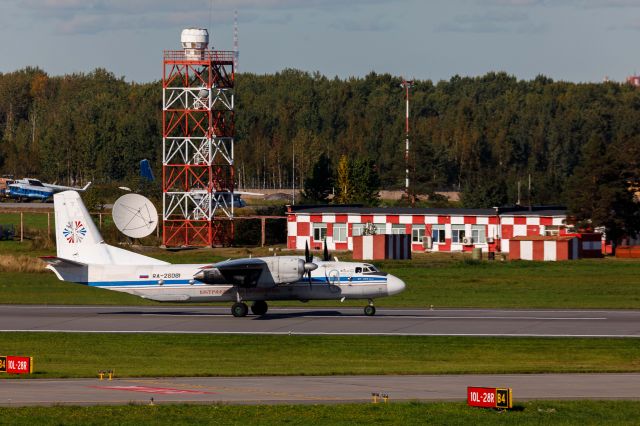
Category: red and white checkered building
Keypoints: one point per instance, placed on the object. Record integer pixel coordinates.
(448, 229)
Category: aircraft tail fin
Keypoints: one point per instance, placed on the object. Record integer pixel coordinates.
(145, 170)
(78, 238)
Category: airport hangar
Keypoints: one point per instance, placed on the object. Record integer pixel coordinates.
(431, 229)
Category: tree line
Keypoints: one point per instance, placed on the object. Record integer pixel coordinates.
(485, 136)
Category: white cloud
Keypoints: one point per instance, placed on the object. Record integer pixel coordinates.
(94, 16)
(493, 21)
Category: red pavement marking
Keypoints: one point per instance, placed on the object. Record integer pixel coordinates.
(147, 389)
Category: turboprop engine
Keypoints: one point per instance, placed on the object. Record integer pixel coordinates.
(257, 272)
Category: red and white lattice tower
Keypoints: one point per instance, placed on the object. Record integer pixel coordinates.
(197, 151)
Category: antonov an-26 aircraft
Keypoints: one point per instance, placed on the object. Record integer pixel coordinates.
(83, 257)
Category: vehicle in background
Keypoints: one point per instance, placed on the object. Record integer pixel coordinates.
(30, 189)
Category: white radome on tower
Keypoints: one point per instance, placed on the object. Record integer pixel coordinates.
(194, 42)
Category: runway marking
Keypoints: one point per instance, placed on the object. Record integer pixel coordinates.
(148, 389)
(324, 333)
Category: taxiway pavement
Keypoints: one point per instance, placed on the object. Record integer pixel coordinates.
(312, 389)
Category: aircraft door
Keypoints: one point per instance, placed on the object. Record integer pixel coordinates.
(333, 279)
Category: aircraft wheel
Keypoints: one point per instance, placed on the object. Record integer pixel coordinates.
(369, 310)
(239, 309)
(259, 307)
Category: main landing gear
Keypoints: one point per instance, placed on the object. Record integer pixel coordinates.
(259, 307)
(240, 309)
(370, 310)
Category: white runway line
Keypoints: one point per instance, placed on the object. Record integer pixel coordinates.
(321, 333)
(395, 317)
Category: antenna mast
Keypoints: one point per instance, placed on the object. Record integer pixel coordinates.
(407, 84)
(236, 52)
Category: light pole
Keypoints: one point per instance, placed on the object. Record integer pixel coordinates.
(407, 84)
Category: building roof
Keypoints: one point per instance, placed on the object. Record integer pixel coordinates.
(448, 211)
(543, 238)
(390, 210)
(536, 213)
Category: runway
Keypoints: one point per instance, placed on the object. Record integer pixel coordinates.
(312, 389)
(322, 321)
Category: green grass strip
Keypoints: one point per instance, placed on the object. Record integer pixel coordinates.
(529, 413)
(144, 355)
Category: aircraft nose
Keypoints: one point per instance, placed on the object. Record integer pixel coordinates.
(394, 285)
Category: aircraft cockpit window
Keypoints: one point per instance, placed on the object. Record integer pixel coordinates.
(358, 270)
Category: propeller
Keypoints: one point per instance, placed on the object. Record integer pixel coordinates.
(308, 262)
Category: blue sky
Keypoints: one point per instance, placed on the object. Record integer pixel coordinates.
(564, 39)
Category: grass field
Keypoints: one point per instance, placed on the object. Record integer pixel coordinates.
(84, 354)
(597, 284)
(410, 413)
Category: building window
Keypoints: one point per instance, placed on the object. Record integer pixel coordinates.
(356, 229)
(319, 231)
(339, 232)
(398, 229)
(417, 233)
(437, 233)
(478, 234)
(457, 234)
(551, 230)
(381, 228)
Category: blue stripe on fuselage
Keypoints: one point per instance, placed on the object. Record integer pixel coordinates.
(317, 280)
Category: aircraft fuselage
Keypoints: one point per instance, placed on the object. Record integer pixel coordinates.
(175, 283)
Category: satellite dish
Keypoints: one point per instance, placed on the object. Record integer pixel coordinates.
(134, 215)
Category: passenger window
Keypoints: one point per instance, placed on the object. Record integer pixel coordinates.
(358, 270)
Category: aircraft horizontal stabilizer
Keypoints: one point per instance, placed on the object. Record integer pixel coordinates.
(58, 261)
(67, 270)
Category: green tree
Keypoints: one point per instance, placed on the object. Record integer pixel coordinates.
(600, 195)
(366, 182)
(357, 181)
(344, 185)
(319, 185)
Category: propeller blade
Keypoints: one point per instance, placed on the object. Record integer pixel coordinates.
(308, 262)
(307, 255)
(325, 253)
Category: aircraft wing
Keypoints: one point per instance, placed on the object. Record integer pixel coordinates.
(248, 193)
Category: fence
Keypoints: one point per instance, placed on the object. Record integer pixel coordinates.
(30, 225)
